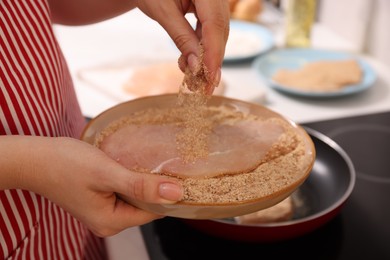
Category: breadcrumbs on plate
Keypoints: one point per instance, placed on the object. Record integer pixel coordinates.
(281, 167)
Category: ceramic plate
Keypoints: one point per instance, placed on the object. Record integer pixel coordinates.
(205, 210)
(268, 64)
(247, 41)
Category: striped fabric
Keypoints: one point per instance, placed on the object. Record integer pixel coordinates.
(37, 98)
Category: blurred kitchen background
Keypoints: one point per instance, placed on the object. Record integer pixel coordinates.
(100, 57)
(362, 25)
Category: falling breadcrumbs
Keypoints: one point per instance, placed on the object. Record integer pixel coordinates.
(192, 98)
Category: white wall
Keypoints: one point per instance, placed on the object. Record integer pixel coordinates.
(365, 23)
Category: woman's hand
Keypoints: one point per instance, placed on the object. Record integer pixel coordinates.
(212, 31)
(82, 180)
(212, 28)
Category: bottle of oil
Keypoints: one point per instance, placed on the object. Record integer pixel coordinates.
(299, 20)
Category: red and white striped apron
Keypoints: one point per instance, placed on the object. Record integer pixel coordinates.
(37, 98)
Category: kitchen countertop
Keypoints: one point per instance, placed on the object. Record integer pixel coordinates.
(133, 36)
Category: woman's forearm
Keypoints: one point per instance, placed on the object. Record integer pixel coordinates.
(14, 160)
(83, 12)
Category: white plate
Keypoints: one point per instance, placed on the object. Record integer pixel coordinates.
(268, 64)
(247, 41)
(110, 79)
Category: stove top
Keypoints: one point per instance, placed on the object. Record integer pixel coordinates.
(360, 231)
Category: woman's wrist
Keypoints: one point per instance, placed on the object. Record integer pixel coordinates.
(20, 161)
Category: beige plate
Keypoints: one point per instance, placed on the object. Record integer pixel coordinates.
(183, 210)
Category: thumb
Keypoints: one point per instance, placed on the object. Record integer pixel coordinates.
(147, 187)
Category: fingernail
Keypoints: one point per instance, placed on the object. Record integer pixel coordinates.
(170, 192)
(182, 63)
(217, 77)
(214, 82)
(193, 63)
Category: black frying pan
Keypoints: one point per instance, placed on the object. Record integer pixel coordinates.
(321, 198)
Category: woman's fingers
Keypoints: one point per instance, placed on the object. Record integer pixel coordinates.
(214, 19)
(120, 216)
(131, 187)
(171, 16)
(212, 31)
